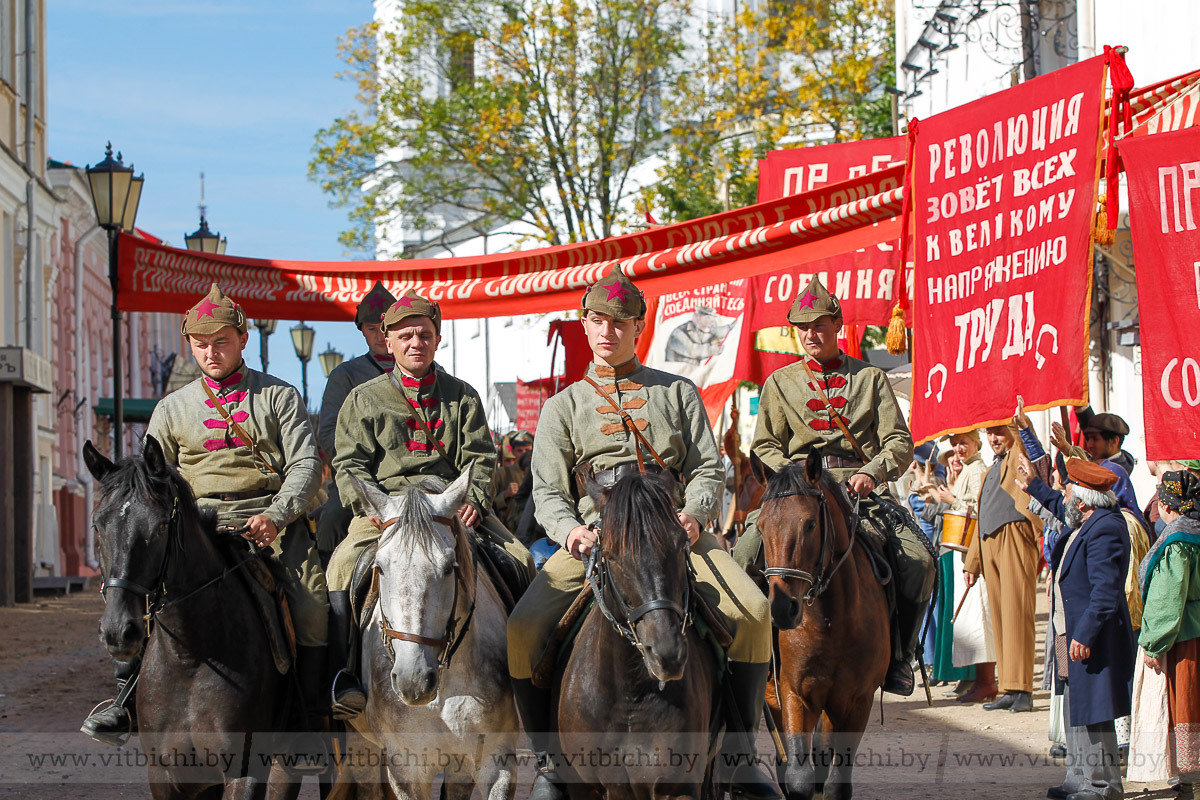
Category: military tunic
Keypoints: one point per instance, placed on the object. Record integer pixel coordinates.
(217, 463)
(335, 518)
(380, 443)
(577, 425)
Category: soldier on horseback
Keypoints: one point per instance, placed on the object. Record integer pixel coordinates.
(625, 418)
(242, 441)
(844, 409)
(415, 421)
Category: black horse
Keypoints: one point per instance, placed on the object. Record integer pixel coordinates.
(210, 698)
(635, 703)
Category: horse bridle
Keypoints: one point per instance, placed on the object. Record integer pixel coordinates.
(446, 646)
(818, 583)
(152, 595)
(625, 620)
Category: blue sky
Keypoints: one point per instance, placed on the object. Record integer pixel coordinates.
(236, 89)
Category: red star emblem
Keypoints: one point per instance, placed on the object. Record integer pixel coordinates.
(206, 308)
(404, 301)
(807, 300)
(618, 292)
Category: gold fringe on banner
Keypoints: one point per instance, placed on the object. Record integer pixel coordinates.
(897, 339)
(1100, 231)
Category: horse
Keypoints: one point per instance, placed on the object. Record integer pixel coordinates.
(831, 614)
(635, 703)
(434, 651)
(208, 694)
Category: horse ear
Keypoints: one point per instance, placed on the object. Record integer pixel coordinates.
(456, 493)
(97, 463)
(762, 473)
(813, 466)
(372, 499)
(599, 495)
(153, 453)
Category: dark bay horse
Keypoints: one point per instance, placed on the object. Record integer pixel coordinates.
(209, 697)
(832, 618)
(636, 698)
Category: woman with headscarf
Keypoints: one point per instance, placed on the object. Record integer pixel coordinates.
(1170, 580)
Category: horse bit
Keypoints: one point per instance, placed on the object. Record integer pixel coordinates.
(599, 578)
(446, 646)
(818, 583)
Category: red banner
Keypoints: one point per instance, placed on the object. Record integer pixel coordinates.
(531, 397)
(1004, 193)
(832, 219)
(864, 280)
(1164, 213)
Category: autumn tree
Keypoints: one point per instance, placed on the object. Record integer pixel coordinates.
(793, 72)
(480, 112)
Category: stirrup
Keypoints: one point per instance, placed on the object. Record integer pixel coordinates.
(113, 738)
(349, 706)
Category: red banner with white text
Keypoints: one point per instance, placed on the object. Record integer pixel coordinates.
(1163, 173)
(1004, 193)
(829, 220)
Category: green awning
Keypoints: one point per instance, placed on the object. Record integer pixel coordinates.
(134, 409)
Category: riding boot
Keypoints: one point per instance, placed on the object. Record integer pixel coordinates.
(308, 746)
(115, 723)
(748, 688)
(909, 618)
(347, 694)
(533, 704)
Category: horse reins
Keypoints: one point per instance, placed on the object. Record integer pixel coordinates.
(818, 583)
(599, 578)
(448, 645)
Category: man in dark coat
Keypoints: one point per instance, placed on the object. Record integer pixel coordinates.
(1097, 649)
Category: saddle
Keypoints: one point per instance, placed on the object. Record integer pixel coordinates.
(264, 579)
(708, 622)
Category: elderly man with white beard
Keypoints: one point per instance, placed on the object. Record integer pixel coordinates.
(1094, 646)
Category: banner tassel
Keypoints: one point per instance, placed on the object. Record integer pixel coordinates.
(897, 339)
(1101, 232)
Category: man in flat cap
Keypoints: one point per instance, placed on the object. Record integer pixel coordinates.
(368, 318)
(416, 421)
(1095, 647)
(610, 430)
(844, 409)
(1104, 437)
(242, 441)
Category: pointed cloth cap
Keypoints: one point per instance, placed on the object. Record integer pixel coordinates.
(814, 301)
(616, 296)
(412, 305)
(212, 313)
(374, 303)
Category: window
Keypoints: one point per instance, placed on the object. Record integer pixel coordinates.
(460, 61)
(7, 29)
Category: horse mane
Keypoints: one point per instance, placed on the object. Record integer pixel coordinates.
(793, 479)
(417, 514)
(132, 481)
(639, 513)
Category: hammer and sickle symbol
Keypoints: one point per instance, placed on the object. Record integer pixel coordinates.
(1037, 351)
(929, 386)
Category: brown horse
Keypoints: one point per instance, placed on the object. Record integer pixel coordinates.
(636, 697)
(832, 618)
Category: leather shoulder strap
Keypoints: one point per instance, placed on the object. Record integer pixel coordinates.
(418, 415)
(833, 414)
(628, 422)
(234, 426)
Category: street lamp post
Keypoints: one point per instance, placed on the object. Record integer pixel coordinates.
(202, 239)
(265, 328)
(330, 359)
(116, 193)
(302, 340)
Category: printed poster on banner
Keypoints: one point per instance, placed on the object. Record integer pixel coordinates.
(1163, 173)
(697, 333)
(863, 280)
(1004, 196)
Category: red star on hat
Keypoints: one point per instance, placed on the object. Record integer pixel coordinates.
(618, 292)
(807, 300)
(404, 301)
(206, 309)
